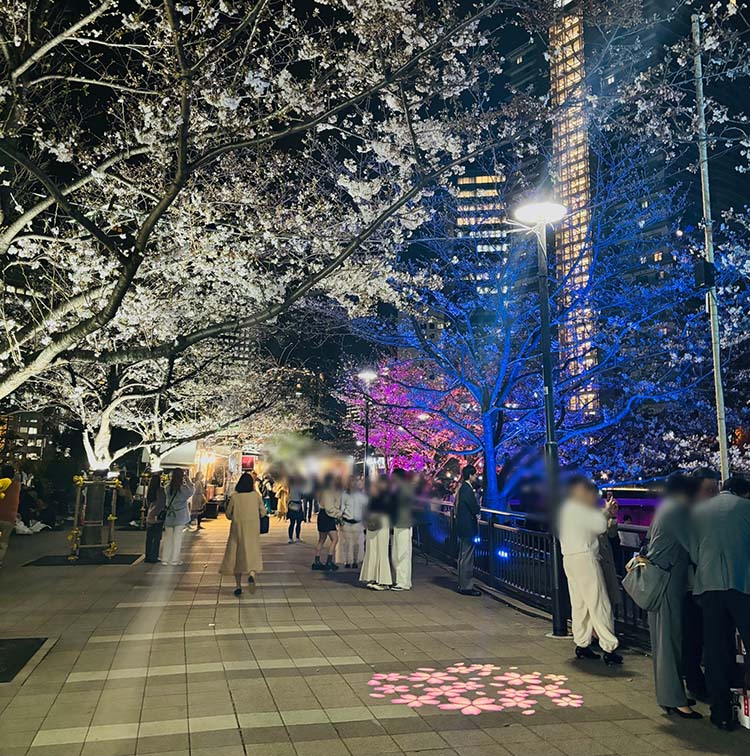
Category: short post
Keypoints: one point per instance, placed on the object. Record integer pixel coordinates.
(111, 548)
(74, 537)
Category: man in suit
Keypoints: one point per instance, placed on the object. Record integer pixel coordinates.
(707, 482)
(720, 549)
(467, 511)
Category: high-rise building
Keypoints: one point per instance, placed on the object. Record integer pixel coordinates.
(570, 174)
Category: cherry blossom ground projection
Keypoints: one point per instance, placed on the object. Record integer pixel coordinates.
(474, 688)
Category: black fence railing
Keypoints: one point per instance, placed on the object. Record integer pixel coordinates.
(512, 556)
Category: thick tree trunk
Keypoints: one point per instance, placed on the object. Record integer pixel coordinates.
(491, 490)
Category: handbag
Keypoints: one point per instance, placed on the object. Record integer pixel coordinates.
(162, 516)
(373, 522)
(646, 583)
(264, 524)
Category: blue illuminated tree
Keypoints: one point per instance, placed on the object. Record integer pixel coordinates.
(470, 315)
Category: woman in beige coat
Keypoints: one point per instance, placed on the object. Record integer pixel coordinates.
(242, 555)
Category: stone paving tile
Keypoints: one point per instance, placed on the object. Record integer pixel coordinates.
(153, 661)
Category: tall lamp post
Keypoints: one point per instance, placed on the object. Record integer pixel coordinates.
(536, 216)
(367, 377)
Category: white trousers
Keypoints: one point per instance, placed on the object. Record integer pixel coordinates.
(171, 545)
(376, 567)
(591, 608)
(401, 556)
(351, 543)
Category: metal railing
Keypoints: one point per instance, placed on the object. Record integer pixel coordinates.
(512, 555)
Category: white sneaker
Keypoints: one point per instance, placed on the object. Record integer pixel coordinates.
(176, 564)
(378, 587)
(22, 529)
(399, 588)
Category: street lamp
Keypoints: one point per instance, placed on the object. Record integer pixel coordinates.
(536, 216)
(367, 376)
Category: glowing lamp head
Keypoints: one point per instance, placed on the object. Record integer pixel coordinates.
(367, 376)
(540, 213)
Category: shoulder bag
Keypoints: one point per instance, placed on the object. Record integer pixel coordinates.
(374, 521)
(168, 508)
(646, 583)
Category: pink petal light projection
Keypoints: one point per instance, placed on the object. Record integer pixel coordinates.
(474, 688)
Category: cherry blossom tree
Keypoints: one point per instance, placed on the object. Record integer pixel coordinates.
(224, 159)
(163, 404)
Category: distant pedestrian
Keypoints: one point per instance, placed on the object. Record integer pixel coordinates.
(156, 506)
(581, 524)
(8, 508)
(352, 543)
(295, 508)
(242, 555)
(467, 529)
(376, 567)
(281, 489)
(198, 501)
(402, 529)
(308, 497)
(178, 515)
(330, 512)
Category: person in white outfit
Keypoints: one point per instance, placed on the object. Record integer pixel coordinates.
(352, 541)
(402, 530)
(376, 567)
(179, 491)
(581, 522)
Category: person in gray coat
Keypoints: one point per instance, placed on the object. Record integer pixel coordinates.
(179, 491)
(720, 549)
(467, 510)
(668, 549)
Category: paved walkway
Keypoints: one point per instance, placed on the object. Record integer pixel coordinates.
(165, 660)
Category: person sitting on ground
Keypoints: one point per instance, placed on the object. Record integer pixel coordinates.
(581, 522)
(330, 512)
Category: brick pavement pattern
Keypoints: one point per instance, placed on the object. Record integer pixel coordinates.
(147, 659)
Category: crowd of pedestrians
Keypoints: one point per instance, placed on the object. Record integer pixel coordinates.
(699, 540)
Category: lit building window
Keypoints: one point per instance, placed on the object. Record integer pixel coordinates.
(610, 79)
(519, 60)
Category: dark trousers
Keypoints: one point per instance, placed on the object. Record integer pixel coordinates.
(153, 540)
(465, 563)
(723, 611)
(692, 645)
(307, 504)
(295, 522)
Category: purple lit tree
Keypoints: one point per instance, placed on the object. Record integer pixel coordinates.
(408, 425)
